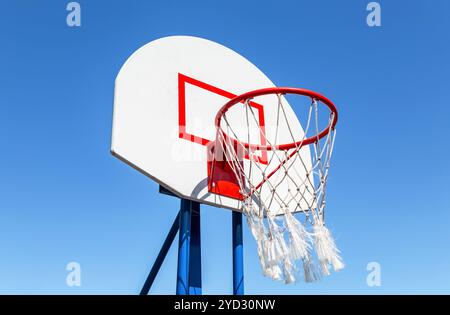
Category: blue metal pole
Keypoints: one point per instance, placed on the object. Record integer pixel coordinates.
(238, 254)
(161, 256)
(184, 248)
(195, 260)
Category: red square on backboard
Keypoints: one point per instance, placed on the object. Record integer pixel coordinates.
(183, 80)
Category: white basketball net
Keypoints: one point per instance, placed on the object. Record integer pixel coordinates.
(292, 181)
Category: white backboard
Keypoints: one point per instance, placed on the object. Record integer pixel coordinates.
(166, 97)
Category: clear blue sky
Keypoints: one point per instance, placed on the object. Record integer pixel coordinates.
(64, 198)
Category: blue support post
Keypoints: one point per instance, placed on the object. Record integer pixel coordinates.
(238, 254)
(184, 248)
(189, 269)
(195, 263)
(189, 273)
(161, 256)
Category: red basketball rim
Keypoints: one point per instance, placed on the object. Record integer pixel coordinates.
(279, 90)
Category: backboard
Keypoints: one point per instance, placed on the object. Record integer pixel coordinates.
(167, 95)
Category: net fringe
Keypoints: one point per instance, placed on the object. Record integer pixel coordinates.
(285, 244)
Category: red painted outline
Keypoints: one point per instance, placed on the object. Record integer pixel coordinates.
(183, 134)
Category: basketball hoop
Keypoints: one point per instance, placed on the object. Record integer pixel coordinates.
(292, 179)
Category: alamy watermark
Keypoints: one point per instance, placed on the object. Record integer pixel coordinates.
(374, 17)
(373, 279)
(73, 278)
(74, 16)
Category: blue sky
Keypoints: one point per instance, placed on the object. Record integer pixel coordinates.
(64, 198)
